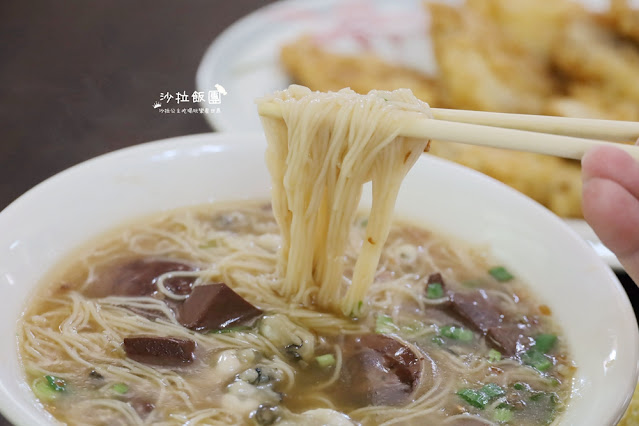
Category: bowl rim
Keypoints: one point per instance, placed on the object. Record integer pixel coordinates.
(12, 410)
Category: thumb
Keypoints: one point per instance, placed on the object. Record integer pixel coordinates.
(611, 202)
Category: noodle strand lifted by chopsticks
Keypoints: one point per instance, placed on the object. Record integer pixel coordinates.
(320, 155)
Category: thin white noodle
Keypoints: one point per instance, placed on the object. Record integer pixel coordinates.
(320, 155)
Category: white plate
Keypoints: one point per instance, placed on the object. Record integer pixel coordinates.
(43, 226)
(244, 59)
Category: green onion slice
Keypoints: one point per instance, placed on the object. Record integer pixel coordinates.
(49, 388)
(494, 355)
(545, 342)
(536, 359)
(481, 397)
(501, 274)
(475, 398)
(503, 415)
(325, 360)
(385, 325)
(520, 386)
(56, 383)
(434, 291)
(456, 333)
(493, 390)
(120, 388)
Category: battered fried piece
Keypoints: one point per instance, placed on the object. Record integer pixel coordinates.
(591, 53)
(483, 70)
(504, 55)
(551, 181)
(593, 101)
(534, 25)
(625, 18)
(318, 69)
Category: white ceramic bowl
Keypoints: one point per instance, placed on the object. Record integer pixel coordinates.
(42, 226)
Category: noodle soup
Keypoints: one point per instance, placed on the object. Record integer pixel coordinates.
(178, 319)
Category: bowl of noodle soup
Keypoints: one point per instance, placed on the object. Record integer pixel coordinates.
(58, 218)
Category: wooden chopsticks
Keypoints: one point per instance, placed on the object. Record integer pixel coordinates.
(558, 136)
(609, 130)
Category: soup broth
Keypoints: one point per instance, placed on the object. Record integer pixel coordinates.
(177, 320)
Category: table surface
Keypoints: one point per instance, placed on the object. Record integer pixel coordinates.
(78, 78)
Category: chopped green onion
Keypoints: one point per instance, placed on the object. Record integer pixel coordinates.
(359, 305)
(325, 360)
(494, 355)
(209, 244)
(49, 388)
(230, 329)
(503, 415)
(493, 390)
(475, 398)
(434, 291)
(545, 342)
(480, 398)
(56, 383)
(456, 333)
(120, 388)
(536, 359)
(43, 390)
(500, 273)
(385, 325)
(537, 396)
(554, 382)
(519, 386)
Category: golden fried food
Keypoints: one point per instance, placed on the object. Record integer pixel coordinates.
(521, 20)
(480, 69)
(625, 18)
(319, 69)
(591, 53)
(551, 181)
(529, 56)
(592, 101)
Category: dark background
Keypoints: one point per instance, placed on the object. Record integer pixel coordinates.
(78, 78)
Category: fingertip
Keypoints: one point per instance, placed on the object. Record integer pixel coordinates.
(591, 161)
(612, 163)
(590, 156)
(613, 213)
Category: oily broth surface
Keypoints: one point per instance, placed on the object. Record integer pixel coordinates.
(241, 240)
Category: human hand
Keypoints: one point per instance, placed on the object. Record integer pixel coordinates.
(611, 202)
